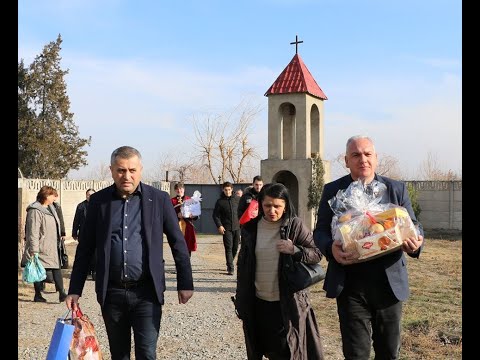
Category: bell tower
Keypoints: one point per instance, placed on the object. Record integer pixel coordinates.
(295, 132)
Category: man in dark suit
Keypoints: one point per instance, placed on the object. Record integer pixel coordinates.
(369, 294)
(125, 224)
(79, 223)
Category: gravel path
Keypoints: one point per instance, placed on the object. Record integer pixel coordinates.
(204, 328)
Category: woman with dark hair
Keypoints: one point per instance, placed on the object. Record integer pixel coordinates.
(42, 235)
(277, 324)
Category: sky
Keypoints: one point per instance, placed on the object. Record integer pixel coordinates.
(139, 70)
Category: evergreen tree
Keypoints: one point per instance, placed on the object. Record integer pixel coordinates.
(315, 188)
(49, 145)
(413, 195)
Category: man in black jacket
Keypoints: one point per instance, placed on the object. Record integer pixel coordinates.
(79, 223)
(226, 219)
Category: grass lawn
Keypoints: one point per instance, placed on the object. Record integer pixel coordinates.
(432, 316)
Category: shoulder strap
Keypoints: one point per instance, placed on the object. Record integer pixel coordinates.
(285, 230)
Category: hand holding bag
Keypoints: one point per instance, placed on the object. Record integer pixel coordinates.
(34, 270)
(297, 274)
(61, 339)
(250, 213)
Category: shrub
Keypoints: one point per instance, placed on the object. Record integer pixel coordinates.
(413, 194)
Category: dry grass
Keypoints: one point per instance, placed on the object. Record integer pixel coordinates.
(432, 316)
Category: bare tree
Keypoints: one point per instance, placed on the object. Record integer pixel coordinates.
(388, 165)
(179, 167)
(222, 140)
(199, 174)
(165, 162)
(430, 170)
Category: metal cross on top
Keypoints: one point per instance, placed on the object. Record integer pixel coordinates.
(296, 42)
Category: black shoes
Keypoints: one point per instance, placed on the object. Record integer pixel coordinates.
(230, 272)
(39, 298)
(62, 296)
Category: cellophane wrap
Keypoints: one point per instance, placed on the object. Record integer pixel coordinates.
(192, 207)
(364, 225)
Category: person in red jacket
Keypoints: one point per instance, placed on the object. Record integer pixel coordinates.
(186, 224)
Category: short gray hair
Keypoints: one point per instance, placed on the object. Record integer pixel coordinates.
(124, 152)
(358, 137)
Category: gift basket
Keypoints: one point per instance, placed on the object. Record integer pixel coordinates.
(365, 226)
(191, 207)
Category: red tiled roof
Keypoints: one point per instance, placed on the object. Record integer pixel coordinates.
(296, 78)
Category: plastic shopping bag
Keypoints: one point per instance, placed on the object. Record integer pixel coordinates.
(84, 345)
(250, 213)
(34, 270)
(61, 339)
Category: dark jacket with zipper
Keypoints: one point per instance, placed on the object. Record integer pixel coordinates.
(225, 212)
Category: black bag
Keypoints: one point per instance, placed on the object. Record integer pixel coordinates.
(63, 255)
(299, 275)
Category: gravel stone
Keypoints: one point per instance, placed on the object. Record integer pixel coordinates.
(204, 328)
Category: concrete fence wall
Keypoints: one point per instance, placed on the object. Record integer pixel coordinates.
(71, 193)
(441, 204)
(440, 201)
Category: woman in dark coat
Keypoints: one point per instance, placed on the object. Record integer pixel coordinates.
(277, 324)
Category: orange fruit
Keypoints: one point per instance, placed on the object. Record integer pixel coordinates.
(387, 224)
(383, 242)
(376, 228)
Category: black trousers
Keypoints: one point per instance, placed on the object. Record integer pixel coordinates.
(57, 279)
(93, 262)
(271, 335)
(134, 309)
(231, 239)
(369, 311)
